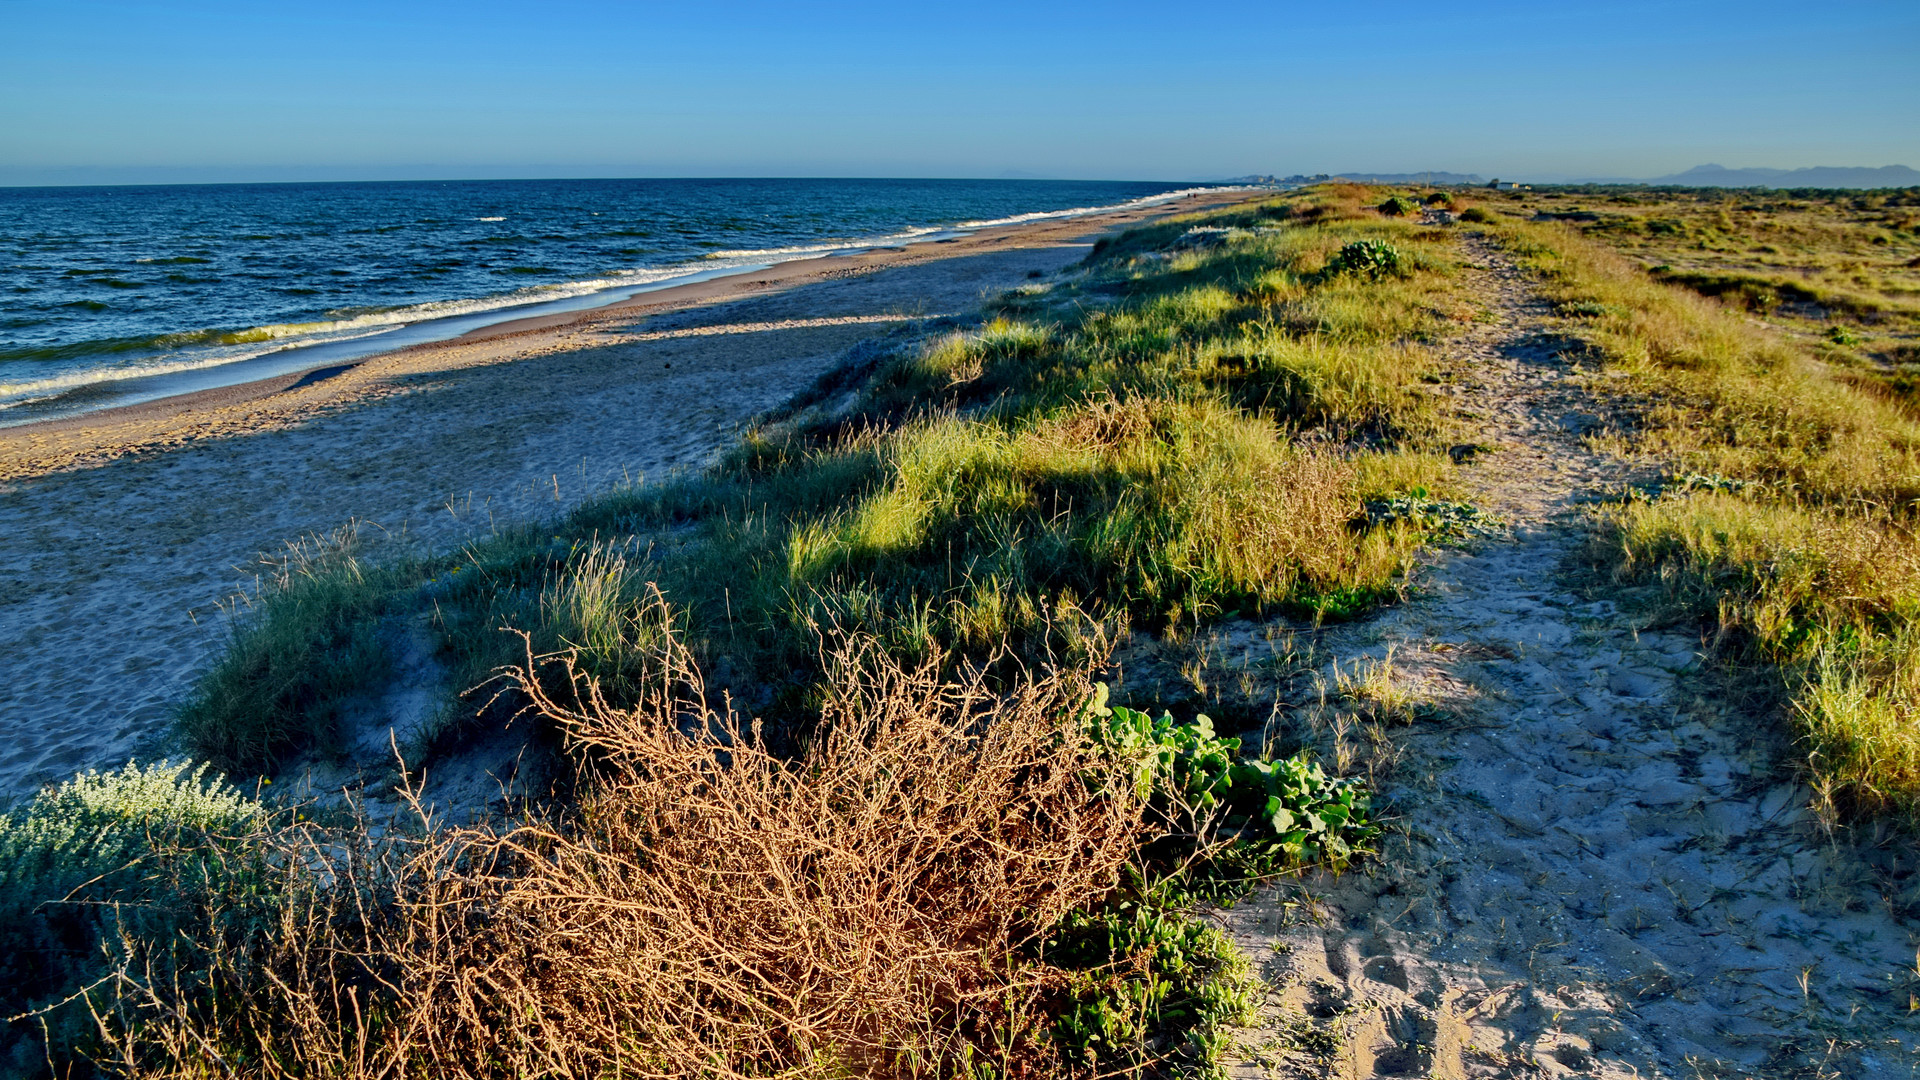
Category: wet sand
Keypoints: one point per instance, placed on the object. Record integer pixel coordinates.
(122, 533)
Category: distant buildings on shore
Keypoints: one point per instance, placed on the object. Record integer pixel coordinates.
(1435, 179)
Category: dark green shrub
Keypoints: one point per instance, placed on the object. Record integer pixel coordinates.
(1153, 983)
(1477, 215)
(1374, 259)
(83, 862)
(1398, 206)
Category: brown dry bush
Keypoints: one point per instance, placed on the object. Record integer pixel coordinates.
(707, 908)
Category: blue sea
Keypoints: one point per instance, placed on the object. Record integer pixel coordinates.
(117, 294)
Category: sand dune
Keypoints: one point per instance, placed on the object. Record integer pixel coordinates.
(123, 534)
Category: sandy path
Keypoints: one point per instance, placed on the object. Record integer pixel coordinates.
(1604, 874)
(110, 574)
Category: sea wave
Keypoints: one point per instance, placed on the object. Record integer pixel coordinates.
(150, 343)
(225, 345)
(27, 392)
(829, 246)
(206, 348)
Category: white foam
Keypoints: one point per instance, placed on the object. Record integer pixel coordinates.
(14, 394)
(286, 335)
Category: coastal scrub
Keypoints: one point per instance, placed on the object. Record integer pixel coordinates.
(920, 855)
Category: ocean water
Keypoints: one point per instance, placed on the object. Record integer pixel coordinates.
(115, 294)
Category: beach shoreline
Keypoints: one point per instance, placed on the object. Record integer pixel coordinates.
(128, 537)
(18, 440)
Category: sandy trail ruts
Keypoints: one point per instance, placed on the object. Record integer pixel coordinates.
(1604, 873)
(110, 575)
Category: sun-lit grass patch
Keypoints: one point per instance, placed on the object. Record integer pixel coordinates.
(1793, 536)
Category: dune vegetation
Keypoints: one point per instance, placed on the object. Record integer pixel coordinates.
(1786, 524)
(1837, 271)
(840, 787)
(911, 835)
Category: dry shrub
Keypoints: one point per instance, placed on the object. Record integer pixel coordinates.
(708, 908)
(1105, 423)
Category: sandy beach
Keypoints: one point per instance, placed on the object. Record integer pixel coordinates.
(124, 533)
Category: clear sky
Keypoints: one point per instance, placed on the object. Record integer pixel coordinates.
(212, 90)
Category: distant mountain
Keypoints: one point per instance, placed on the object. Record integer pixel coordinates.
(1819, 176)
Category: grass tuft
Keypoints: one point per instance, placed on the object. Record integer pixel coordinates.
(311, 640)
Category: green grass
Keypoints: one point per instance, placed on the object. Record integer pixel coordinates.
(1205, 423)
(291, 669)
(1124, 448)
(1797, 550)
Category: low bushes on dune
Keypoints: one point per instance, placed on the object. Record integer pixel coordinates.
(927, 889)
(936, 851)
(102, 859)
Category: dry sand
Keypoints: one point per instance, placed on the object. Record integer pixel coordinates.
(123, 533)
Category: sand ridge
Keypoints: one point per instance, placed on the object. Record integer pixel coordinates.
(122, 535)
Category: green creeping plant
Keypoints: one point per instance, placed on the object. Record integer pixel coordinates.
(1290, 810)
(1186, 761)
(1313, 817)
(1373, 259)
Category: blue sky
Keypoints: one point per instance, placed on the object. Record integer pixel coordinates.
(201, 90)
